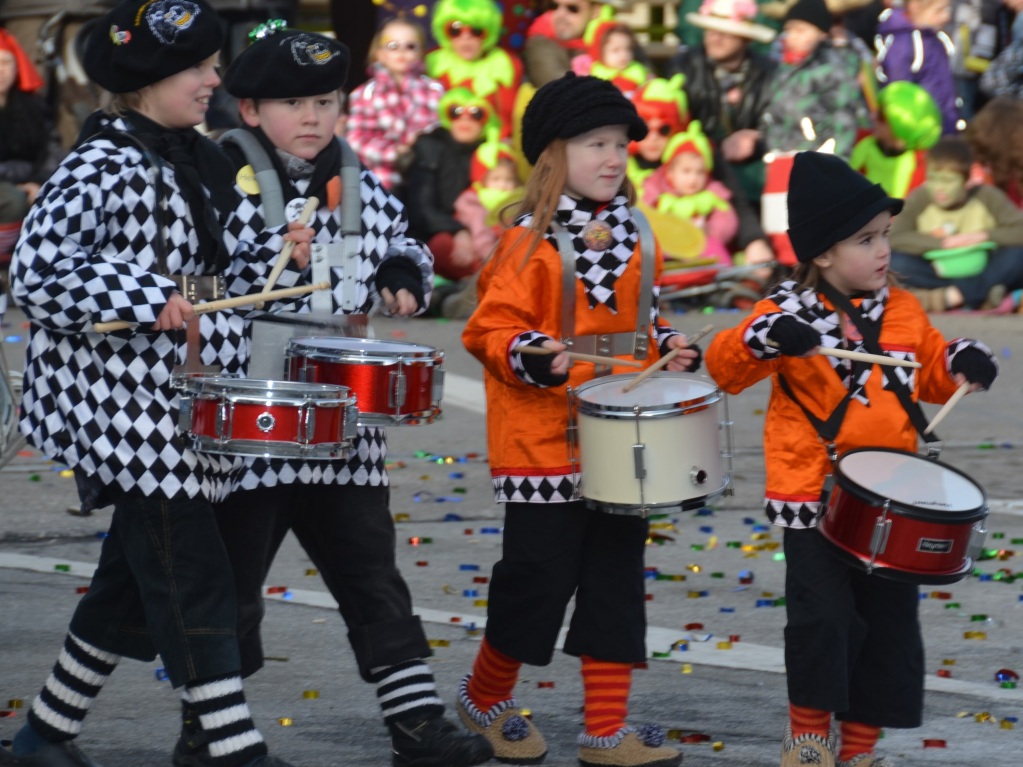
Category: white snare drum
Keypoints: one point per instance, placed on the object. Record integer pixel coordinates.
(655, 446)
(396, 383)
(272, 419)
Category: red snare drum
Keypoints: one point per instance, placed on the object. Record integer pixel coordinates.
(905, 517)
(272, 419)
(395, 383)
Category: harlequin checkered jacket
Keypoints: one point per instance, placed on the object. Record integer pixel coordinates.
(383, 236)
(796, 459)
(104, 402)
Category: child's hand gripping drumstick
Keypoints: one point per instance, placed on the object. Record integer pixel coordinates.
(307, 213)
(875, 359)
(594, 358)
(665, 360)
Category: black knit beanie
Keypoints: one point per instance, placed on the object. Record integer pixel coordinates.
(287, 64)
(573, 105)
(141, 42)
(829, 201)
(812, 12)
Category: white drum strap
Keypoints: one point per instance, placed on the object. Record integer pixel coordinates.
(608, 344)
(342, 256)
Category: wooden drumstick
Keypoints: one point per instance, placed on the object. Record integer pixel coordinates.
(877, 359)
(225, 303)
(665, 360)
(947, 407)
(594, 358)
(303, 218)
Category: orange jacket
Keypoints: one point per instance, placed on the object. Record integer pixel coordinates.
(526, 424)
(796, 459)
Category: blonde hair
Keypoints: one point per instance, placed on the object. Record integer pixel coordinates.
(122, 103)
(397, 21)
(544, 188)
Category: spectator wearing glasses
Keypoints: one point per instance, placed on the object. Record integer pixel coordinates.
(557, 37)
(398, 103)
(439, 173)
(469, 57)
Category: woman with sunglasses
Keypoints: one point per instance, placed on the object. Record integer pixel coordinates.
(399, 102)
(468, 57)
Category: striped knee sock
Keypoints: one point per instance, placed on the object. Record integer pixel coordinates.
(857, 739)
(493, 677)
(406, 691)
(809, 721)
(76, 679)
(225, 718)
(605, 695)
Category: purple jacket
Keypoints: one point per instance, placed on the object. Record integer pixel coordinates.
(920, 55)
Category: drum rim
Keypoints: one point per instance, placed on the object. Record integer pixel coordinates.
(900, 507)
(257, 448)
(358, 354)
(211, 388)
(853, 559)
(660, 410)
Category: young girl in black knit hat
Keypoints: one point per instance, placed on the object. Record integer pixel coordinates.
(852, 643)
(575, 131)
(137, 210)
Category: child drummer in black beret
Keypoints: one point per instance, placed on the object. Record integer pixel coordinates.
(288, 85)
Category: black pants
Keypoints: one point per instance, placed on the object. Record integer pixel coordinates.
(163, 585)
(348, 533)
(552, 552)
(852, 641)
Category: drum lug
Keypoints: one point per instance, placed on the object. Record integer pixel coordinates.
(397, 390)
(185, 414)
(438, 384)
(978, 535)
(350, 430)
(879, 536)
(225, 418)
(637, 460)
(934, 450)
(306, 424)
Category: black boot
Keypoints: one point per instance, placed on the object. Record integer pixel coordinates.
(191, 750)
(436, 742)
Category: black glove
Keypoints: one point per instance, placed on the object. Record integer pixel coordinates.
(793, 337)
(977, 366)
(399, 272)
(538, 366)
(695, 347)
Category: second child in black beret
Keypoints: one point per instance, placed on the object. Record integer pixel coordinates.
(289, 63)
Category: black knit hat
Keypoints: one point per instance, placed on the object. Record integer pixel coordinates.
(812, 12)
(141, 42)
(829, 201)
(288, 64)
(573, 105)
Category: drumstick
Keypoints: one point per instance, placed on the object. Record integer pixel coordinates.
(878, 359)
(303, 218)
(664, 360)
(225, 303)
(947, 407)
(595, 359)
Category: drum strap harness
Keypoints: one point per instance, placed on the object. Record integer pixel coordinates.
(828, 428)
(608, 344)
(344, 255)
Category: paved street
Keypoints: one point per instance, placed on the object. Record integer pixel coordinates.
(724, 695)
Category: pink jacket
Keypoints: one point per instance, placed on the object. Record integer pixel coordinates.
(471, 214)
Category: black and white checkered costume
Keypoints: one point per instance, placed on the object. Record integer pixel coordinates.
(104, 402)
(384, 223)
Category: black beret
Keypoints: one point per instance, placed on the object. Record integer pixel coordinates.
(812, 12)
(573, 105)
(141, 42)
(288, 63)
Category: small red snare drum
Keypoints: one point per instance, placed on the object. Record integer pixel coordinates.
(905, 517)
(272, 419)
(395, 383)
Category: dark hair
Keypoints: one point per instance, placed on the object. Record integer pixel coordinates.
(951, 153)
(995, 136)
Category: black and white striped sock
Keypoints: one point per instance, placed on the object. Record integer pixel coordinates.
(407, 690)
(225, 718)
(76, 679)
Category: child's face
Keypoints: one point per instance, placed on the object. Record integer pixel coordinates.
(182, 100)
(687, 173)
(467, 123)
(596, 163)
(301, 126)
(617, 51)
(501, 177)
(947, 187)
(400, 49)
(8, 72)
(651, 148)
(860, 262)
(887, 139)
(934, 14)
(802, 36)
(466, 41)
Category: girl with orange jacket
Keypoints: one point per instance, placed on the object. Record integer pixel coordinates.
(852, 642)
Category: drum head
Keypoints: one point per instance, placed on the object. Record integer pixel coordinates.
(662, 391)
(911, 481)
(346, 348)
